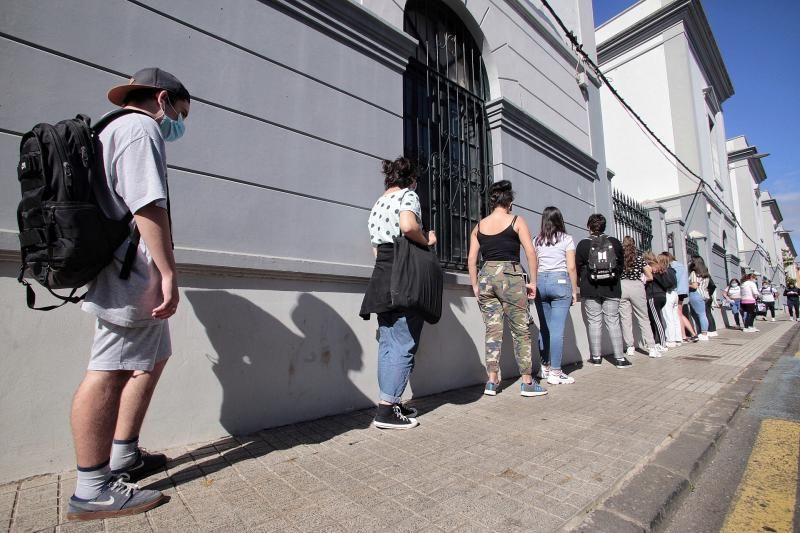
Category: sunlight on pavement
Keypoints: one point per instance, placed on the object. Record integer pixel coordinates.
(766, 497)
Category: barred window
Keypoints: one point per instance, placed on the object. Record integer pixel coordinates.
(445, 127)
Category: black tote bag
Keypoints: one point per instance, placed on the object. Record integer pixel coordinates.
(417, 280)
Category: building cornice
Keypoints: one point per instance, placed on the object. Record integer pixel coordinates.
(352, 24)
(775, 211)
(698, 30)
(511, 119)
(753, 161)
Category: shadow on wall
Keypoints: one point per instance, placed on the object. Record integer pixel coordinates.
(271, 376)
(447, 357)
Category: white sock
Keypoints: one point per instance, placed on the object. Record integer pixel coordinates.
(123, 453)
(91, 480)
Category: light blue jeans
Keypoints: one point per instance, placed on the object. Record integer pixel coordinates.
(698, 306)
(553, 300)
(399, 338)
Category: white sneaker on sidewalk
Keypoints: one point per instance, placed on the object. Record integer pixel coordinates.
(713, 334)
(772, 319)
(630, 351)
(559, 379)
(702, 337)
(671, 344)
(653, 353)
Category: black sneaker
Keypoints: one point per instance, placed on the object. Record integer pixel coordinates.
(146, 463)
(408, 411)
(694, 339)
(622, 363)
(117, 499)
(392, 417)
(596, 361)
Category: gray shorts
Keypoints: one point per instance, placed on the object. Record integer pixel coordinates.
(122, 348)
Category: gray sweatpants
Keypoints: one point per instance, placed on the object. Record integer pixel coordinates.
(633, 305)
(601, 311)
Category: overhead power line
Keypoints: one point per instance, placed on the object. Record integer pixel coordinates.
(702, 185)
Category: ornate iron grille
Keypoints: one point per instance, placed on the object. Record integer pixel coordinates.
(631, 218)
(692, 248)
(445, 127)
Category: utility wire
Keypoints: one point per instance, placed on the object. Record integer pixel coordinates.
(578, 47)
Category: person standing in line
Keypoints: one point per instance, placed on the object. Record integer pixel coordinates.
(655, 288)
(733, 295)
(131, 338)
(396, 213)
(556, 291)
(792, 296)
(501, 288)
(601, 291)
(688, 332)
(768, 294)
(633, 302)
(750, 295)
(669, 313)
(698, 293)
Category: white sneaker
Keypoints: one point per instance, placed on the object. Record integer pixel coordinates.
(671, 344)
(772, 320)
(661, 348)
(749, 330)
(630, 351)
(559, 379)
(653, 353)
(545, 372)
(713, 334)
(702, 337)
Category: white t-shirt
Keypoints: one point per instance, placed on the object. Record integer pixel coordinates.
(136, 172)
(384, 219)
(553, 258)
(749, 291)
(734, 292)
(767, 294)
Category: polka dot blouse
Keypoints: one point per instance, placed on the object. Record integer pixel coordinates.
(384, 219)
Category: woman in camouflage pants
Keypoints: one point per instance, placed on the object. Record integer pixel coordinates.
(501, 287)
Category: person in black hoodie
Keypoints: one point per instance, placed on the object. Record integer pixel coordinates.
(792, 296)
(660, 280)
(601, 293)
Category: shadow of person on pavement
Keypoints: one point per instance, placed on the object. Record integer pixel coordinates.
(271, 376)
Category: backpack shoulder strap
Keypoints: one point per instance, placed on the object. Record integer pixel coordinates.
(108, 118)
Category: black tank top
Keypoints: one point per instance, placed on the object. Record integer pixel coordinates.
(501, 247)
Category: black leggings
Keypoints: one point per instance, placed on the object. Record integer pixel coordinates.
(794, 307)
(654, 306)
(712, 324)
(770, 308)
(749, 312)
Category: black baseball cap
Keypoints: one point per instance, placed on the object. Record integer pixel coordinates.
(149, 78)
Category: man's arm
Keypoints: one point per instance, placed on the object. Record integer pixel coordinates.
(153, 224)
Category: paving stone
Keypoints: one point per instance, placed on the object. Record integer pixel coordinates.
(647, 498)
(602, 520)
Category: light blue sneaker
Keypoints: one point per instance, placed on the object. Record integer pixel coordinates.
(532, 389)
(491, 388)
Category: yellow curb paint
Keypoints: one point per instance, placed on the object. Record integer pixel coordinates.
(766, 496)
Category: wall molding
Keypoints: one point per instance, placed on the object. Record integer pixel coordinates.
(511, 119)
(698, 31)
(355, 26)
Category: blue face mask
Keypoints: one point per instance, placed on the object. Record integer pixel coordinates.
(171, 129)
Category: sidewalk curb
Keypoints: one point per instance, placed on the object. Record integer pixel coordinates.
(646, 499)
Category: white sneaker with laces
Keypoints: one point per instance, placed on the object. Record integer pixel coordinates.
(559, 379)
(661, 348)
(672, 345)
(713, 334)
(630, 351)
(654, 353)
(702, 337)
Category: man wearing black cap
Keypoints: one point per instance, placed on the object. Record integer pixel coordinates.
(132, 341)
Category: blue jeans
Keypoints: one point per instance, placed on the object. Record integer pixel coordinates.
(736, 310)
(553, 300)
(698, 306)
(398, 342)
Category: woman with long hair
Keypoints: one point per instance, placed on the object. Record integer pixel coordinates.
(633, 303)
(396, 213)
(556, 291)
(656, 290)
(698, 294)
(669, 313)
(500, 285)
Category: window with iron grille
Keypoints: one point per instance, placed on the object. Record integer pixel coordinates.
(445, 127)
(692, 248)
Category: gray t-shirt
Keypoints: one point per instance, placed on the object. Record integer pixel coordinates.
(136, 172)
(384, 219)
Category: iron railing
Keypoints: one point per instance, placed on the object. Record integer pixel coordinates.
(445, 127)
(692, 248)
(631, 218)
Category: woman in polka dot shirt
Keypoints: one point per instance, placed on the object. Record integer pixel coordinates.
(397, 212)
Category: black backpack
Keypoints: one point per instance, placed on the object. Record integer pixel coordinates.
(65, 239)
(602, 264)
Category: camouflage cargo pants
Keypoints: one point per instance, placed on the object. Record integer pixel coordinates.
(503, 295)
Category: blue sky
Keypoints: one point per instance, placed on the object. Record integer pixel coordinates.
(760, 45)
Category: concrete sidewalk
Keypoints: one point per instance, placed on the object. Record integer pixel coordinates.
(480, 463)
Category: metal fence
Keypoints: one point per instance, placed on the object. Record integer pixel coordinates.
(631, 218)
(692, 248)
